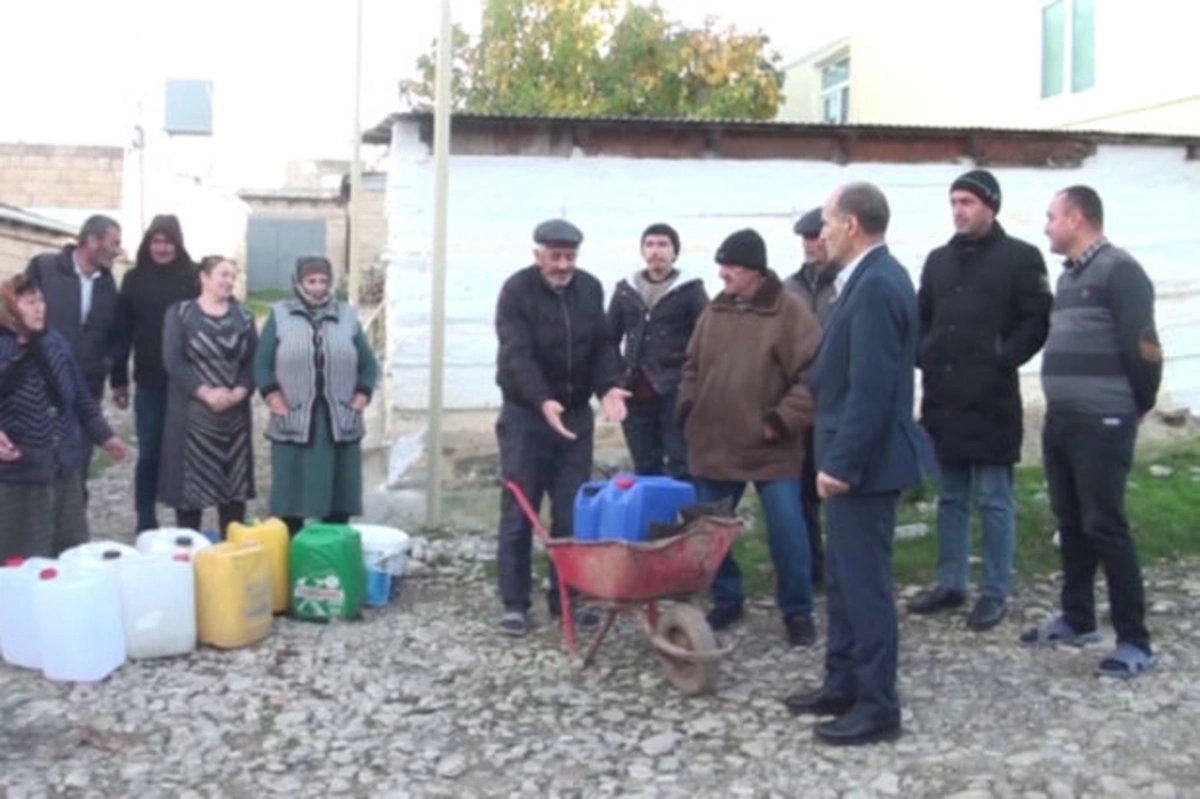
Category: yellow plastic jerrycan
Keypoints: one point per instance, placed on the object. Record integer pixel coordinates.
(273, 536)
(233, 594)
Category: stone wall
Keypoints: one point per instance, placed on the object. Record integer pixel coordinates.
(55, 176)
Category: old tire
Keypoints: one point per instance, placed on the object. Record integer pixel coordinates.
(684, 626)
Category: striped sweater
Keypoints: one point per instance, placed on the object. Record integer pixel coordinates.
(1102, 356)
(52, 441)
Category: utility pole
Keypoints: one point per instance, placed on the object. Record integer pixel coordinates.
(437, 322)
(353, 268)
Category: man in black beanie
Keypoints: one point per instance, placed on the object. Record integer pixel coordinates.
(744, 408)
(650, 319)
(985, 310)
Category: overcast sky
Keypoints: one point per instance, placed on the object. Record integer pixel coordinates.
(283, 69)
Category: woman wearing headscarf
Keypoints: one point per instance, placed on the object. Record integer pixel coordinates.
(208, 351)
(317, 373)
(47, 416)
(163, 275)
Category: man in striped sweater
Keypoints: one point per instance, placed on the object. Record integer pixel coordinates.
(1101, 370)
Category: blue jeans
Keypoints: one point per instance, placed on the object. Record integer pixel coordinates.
(149, 411)
(993, 488)
(787, 538)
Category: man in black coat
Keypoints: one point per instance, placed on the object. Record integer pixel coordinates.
(554, 355)
(985, 310)
(653, 313)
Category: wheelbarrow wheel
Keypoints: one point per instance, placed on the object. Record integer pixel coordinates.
(685, 627)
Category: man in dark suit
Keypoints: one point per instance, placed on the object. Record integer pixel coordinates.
(868, 450)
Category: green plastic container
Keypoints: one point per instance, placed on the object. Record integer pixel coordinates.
(328, 578)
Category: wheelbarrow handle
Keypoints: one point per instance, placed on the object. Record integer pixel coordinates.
(527, 508)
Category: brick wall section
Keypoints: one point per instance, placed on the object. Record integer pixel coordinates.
(54, 176)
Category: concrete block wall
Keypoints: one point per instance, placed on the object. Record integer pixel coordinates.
(54, 176)
(1152, 196)
(19, 244)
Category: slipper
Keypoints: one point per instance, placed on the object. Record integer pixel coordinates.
(1125, 662)
(1057, 631)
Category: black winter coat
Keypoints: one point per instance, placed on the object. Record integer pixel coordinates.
(93, 341)
(147, 291)
(985, 310)
(553, 345)
(656, 339)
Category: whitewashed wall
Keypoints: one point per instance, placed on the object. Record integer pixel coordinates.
(1151, 194)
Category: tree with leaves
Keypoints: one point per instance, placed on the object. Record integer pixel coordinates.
(603, 57)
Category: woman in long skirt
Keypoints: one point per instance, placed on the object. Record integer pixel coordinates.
(208, 350)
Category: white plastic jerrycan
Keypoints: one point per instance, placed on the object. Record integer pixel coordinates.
(172, 541)
(18, 625)
(158, 604)
(96, 553)
(78, 614)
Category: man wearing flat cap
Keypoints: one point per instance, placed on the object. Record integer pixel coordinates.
(985, 310)
(554, 356)
(814, 283)
(744, 408)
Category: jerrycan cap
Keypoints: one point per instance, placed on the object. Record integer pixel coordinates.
(624, 483)
(48, 574)
(13, 563)
(183, 541)
(181, 557)
(111, 554)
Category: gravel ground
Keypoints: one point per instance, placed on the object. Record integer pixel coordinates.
(424, 699)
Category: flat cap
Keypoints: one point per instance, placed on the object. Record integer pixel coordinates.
(809, 225)
(557, 233)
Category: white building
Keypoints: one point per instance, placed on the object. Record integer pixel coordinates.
(613, 177)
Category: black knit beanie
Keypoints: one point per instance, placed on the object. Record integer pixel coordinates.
(982, 184)
(662, 229)
(744, 248)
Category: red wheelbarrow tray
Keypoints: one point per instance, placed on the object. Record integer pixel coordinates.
(624, 571)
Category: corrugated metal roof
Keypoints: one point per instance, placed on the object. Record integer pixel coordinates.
(19, 216)
(382, 133)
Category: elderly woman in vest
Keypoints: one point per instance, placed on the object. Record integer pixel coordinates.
(208, 353)
(48, 417)
(317, 372)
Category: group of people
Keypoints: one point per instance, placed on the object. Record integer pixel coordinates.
(198, 357)
(804, 387)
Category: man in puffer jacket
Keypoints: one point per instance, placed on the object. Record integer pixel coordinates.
(650, 319)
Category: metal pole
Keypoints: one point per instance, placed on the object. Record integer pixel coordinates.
(353, 268)
(437, 323)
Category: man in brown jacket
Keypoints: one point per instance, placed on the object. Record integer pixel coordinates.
(744, 409)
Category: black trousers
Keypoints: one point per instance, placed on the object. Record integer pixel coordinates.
(812, 507)
(655, 441)
(1087, 461)
(542, 462)
(863, 633)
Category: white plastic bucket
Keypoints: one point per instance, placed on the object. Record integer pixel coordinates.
(385, 554)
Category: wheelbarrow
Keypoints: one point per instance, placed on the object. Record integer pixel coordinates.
(622, 577)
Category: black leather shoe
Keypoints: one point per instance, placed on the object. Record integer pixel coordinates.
(936, 600)
(723, 616)
(800, 630)
(821, 702)
(856, 729)
(988, 612)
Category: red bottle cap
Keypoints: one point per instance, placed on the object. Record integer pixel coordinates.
(48, 574)
(182, 557)
(13, 563)
(623, 483)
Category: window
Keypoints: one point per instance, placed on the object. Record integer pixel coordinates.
(189, 107)
(1068, 46)
(835, 92)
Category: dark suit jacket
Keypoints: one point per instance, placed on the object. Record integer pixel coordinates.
(862, 379)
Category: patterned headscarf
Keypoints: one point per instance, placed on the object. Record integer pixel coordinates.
(312, 265)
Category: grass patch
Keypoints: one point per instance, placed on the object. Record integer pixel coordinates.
(260, 302)
(1164, 513)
